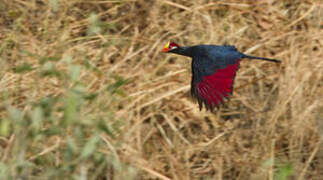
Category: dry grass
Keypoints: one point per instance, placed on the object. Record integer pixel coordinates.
(87, 93)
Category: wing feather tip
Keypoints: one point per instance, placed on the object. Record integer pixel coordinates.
(216, 88)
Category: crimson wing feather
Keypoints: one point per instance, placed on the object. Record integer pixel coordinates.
(212, 85)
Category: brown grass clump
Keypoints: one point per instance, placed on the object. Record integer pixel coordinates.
(86, 92)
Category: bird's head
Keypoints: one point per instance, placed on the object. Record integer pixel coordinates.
(170, 46)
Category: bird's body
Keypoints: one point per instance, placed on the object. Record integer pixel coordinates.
(213, 71)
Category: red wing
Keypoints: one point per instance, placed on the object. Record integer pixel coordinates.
(212, 90)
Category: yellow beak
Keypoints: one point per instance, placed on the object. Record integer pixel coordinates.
(166, 47)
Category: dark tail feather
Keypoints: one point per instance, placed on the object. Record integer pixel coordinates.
(262, 58)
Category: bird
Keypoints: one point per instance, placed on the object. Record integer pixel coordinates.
(214, 68)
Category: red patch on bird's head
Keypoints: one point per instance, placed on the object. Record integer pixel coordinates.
(170, 46)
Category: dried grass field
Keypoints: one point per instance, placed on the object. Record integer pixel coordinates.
(87, 94)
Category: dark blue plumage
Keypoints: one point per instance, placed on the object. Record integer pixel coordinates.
(213, 71)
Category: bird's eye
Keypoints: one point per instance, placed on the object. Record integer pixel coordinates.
(173, 47)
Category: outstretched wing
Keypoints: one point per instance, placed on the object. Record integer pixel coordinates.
(212, 84)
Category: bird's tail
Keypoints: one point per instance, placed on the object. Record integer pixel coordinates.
(261, 58)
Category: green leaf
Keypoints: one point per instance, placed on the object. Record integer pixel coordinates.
(4, 127)
(114, 88)
(268, 163)
(103, 126)
(43, 60)
(37, 118)
(90, 146)
(285, 171)
(55, 5)
(4, 171)
(25, 67)
(95, 24)
(50, 70)
(74, 72)
(68, 59)
(71, 148)
(47, 104)
(15, 114)
(90, 96)
(71, 108)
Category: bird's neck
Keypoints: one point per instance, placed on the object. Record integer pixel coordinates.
(184, 51)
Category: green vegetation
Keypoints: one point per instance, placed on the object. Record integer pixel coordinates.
(87, 94)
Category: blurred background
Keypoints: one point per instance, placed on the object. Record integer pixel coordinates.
(87, 94)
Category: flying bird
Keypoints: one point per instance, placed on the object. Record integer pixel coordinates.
(213, 71)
